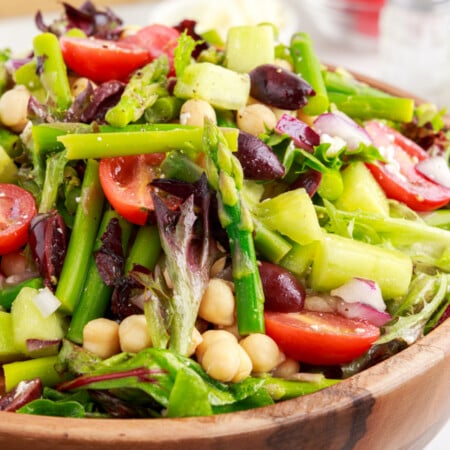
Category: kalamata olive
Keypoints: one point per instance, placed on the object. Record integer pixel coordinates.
(258, 160)
(278, 87)
(309, 180)
(282, 291)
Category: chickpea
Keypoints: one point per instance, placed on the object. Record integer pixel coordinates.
(263, 351)
(133, 334)
(287, 368)
(101, 336)
(222, 360)
(14, 108)
(233, 329)
(255, 119)
(283, 63)
(245, 366)
(209, 337)
(196, 340)
(218, 303)
(79, 85)
(194, 112)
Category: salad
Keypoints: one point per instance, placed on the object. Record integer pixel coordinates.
(191, 226)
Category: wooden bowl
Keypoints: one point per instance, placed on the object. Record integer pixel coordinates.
(400, 403)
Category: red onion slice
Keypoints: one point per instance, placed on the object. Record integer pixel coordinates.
(360, 290)
(301, 133)
(359, 310)
(436, 169)
(341, 126)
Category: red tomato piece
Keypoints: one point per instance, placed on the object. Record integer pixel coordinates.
(157, 39)
(320, 338)
(399, 178)
(17, 208)
(102, 60)
(125, 182)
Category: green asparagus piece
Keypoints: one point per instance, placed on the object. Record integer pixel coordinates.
(87, 220)
(43, 368)
(344, 83)
(163, 110)
(270, 244)
(54, 72)
(146, 248)
(179, 166)
(9, 293)
(307, 65)
(54, 177)
(366, 107)
(225, 174)
(141, 92)
(27, 75)
(107, 144)
(95, 296)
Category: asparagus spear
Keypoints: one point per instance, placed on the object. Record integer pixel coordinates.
(87, 220)
(141, 92)
(226, 177)
(53, 71)
(96, 294)
(366, 107)
(307, 64)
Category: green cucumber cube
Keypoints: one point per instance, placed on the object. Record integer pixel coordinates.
(249, 46)
(361, 191)
(338, 259)
(8, 348)
(28, 322)
(221, 87)
(292, 214)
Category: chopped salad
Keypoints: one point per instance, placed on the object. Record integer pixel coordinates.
(193, 226)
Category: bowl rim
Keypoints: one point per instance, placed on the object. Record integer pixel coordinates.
(415, 360)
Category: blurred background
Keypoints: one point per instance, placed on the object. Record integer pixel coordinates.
(403, 42)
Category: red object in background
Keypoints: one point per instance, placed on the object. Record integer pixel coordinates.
(366, 14)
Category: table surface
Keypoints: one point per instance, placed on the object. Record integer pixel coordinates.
(17, 33)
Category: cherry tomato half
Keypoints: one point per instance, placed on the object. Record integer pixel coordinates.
(101, 60)
(125, 182)
(17, 208)
(320, 338)
(399, 178)
(157, 39)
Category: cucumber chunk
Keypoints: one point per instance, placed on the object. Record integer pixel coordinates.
(8, 348)
(338, 259)
(249, 46)
(221, 87)
(28, 322)
(292, 214)
(361, 191)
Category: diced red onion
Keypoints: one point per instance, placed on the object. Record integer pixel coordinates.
(436, 169)
(46, 302)
(361, 290)
(342, 126)
(43, 346)
(362, 311)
